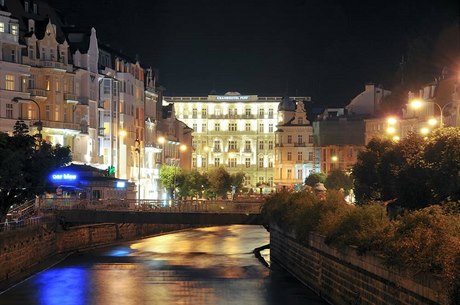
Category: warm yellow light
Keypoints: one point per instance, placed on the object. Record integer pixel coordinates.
(122, 133)
(391, 130)
(416, 104)
(183, 147)
(396, 138)
(392, 121)
(206, 148)
(424, 130)
(432, 121)
(334, 158)
(161, 140)
(231, 155)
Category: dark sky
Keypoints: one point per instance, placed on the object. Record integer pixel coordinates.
(327, 49)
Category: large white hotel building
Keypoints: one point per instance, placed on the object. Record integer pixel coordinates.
(235, 131)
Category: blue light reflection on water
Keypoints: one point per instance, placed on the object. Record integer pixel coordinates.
(62, 286)
(120, 251)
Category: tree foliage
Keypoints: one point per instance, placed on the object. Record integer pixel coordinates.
(219, 182)
(168, 177)
(25, 166)
(314, 178)
(337, 180)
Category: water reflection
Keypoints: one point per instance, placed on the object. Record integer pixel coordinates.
(201, 266)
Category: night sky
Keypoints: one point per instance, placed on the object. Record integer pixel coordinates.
(326, 49)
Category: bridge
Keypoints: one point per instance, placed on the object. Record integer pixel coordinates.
(197, 212)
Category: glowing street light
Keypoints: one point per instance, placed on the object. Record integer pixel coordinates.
(334, 158)
(392, 121)
(418, 103)
(424, 130)
(432, 122)
(391, 130)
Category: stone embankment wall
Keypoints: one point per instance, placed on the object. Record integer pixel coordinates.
(347, 278)
(21, 250)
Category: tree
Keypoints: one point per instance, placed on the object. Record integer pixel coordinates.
(192, 183)
(24, 167)
(219, 182)
(168, 177)
(236, 181)
(337, 180)
(314, 178)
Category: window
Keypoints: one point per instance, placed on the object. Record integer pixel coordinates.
(217, 146)
(270, 144)
(299, 121)
(247, 111)
(217, 126)
(310, 156)
(194, 162)
(203, 161)
(48, 112)
(270, 127)
(270, 181)
(261, 144)
(261, 180)
(299, 156)
(106, 86)
(231, 112)
(299, 139)
(204, 113)
(261, 127)
(270, 113)
(247, 146)
(289, 173)
(248, 162)
(217, 111)
(270, 163)
(217, 162)
(9, 111)
(2, 27)
(247, 127)
(195, 127)
(289, 139)
(310, 139)
(35, 8)
(203, 127)
(9, 82)
(289, 156)
(13, 55)
(299, 174)
(14, 29)
(232, 162)
(261, 113)
(261, 162)
(232, 145)
(232, 127)
(194, 113)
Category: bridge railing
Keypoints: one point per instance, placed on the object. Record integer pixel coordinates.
(178, 206)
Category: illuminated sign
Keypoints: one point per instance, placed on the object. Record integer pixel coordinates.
(64, 176)
(233, 97)
(121, 184)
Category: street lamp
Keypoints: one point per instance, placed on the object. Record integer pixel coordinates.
(417, 103)
(39, 123)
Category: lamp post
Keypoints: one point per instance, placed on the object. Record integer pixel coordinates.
(417, 103)
(138, 150)
(39, 123)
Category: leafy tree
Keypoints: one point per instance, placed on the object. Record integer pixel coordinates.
(337, 180)
(25, 166)
(236, 181)
(219, 182)
(192, 183)
(169, 177)
(314, 178)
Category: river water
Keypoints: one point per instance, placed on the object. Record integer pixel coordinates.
(198, 267)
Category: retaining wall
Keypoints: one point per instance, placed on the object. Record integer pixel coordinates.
(23, 249)
(344, 277)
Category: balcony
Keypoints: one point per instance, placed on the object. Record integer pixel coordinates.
(298, 144)
(247, 151)
(233, 149)
(34, 92)
(71, 98)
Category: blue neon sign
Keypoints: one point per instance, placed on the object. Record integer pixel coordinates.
(63, 176)
(121, 184)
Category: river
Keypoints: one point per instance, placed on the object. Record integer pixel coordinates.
(198, 267)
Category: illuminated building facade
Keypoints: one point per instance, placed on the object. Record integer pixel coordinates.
(234, 131)
(296, 154)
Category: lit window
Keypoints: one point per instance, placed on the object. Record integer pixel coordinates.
(216, 162)
(289, 156)
(232, 162)
(270, 144)
(9, 82)
(232, 145)
(14, 29)
(2, 27)
(299, 156)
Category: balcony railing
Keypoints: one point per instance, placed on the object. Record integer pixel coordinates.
(297, 144)
(70, 97)
(37, 92)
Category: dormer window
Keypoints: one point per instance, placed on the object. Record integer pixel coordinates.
(26, 6)
(299, 121)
